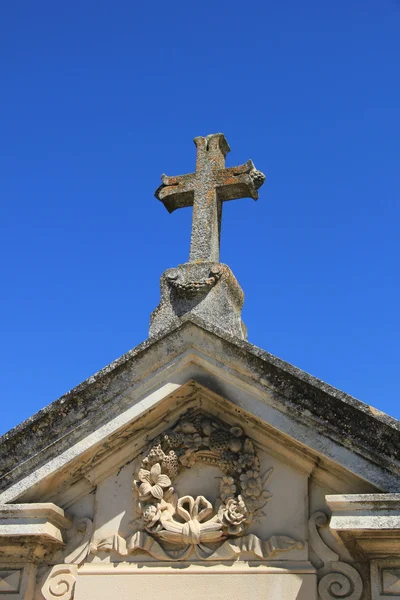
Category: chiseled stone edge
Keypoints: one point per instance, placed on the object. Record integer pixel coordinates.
(365, 512)
(336, 414)
(44, 521)
(372, 521)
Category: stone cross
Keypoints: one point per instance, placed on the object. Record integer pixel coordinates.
(206, 189)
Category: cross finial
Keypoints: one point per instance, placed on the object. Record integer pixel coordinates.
(206, 189)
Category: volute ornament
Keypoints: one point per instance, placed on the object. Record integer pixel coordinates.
(337, 579)
(59, 584)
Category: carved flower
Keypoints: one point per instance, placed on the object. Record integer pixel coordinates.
(151, 515)
(234, 516)
(193, 441)
(153, 482)
(245, 460)
(255, 504)
(228, 460)
(227, 488)
(251, 484)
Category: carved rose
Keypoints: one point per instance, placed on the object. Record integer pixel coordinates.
(251, 484)
(153, 482)
(227, 488)
(151, 515)
(234, 516)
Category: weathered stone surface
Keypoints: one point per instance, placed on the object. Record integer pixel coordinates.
(385, 577)
(334, 424)
(203, 286)
(208, 290)
(370, 520)
(206, 189)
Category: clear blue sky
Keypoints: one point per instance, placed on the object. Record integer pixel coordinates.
(99, 98)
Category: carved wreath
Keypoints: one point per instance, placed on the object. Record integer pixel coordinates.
(193, 523)
(172, 528)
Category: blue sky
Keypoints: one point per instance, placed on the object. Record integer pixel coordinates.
(99, 98)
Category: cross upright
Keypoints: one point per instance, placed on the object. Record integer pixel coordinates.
(206, 189)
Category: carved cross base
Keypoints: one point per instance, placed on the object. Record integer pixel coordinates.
(205, 289)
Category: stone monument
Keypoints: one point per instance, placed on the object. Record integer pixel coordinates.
(191, 287)
(197, 465)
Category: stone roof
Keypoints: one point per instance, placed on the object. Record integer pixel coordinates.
(352, 424)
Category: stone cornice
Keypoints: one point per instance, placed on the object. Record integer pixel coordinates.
(368, 524)
(28, 532)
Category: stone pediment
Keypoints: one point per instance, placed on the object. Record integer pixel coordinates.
(115, 411)
(197, 491)
(195, 449)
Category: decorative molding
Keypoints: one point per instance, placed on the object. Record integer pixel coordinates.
(10, 581)
(173, 528)
(385, 578)
(84, 528)
(191, 289)
(59, 584)
(337, 579)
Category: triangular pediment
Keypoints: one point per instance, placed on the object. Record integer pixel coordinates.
(63, 451)
(97, 459)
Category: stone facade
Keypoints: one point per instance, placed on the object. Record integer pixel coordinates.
(197, 465)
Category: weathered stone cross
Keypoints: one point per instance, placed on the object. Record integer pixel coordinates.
(206, 189)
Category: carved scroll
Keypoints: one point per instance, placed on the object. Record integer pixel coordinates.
(60, 583)
(227, 550)
(337, 579)
(84, 527)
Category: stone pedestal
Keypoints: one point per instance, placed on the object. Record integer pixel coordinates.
(205, 289)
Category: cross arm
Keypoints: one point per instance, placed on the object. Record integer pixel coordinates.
(239, 182)
(176, 192)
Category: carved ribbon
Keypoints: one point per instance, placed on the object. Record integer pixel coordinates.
(229, 549)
